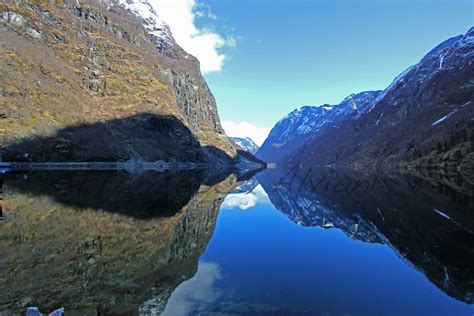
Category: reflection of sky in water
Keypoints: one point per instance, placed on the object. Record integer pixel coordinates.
(262, 262)
(247, 200)
(196, 293)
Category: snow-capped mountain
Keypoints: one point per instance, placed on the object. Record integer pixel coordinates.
(291, 130)
(246, 143)
(423, 117)
(151, 20)
(159, 31)
(246, 187)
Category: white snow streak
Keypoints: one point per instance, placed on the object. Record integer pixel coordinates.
(444, 117)
(380, 117)
(442, 214)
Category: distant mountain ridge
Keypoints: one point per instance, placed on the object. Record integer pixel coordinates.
(423, 118)
(246, 143)
(291, 131)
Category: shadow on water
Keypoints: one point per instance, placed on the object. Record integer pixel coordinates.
(426, 221)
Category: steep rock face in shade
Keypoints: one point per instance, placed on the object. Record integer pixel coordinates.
(424, 118)
(68, 64)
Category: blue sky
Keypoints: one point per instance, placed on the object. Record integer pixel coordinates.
(282, 54)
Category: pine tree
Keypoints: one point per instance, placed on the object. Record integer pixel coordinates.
(452, 142)
(464, 135)
(472, 140)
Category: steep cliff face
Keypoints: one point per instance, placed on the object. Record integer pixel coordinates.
(74, 63)
(423, 118)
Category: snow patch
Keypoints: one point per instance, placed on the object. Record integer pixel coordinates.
(444, 117)
(378, 121)
(154, 24)
(442, 214)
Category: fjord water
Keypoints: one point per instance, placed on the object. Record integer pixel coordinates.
(327, 242)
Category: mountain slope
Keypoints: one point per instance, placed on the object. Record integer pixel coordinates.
(423, 118)
(292, 131)
(70, 64)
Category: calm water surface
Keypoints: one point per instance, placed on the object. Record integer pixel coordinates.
(324, 243)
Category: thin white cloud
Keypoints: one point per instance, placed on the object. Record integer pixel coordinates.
(204, 10)
(246, 200)
(204, 43)
(246, 129)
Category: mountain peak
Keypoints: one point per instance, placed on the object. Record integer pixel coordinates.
(154, 24)
(246, 143)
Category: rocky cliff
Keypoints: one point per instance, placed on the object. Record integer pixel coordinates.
(73, 64)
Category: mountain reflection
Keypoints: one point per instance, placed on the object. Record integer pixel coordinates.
(112, 243)
(146, 195)
(103, 243)
(427, 221)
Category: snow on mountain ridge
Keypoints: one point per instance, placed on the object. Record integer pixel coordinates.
(306, 119)
(442, 56)
(151, 20)
(246, 143)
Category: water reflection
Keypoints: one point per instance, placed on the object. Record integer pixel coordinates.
(145, 195)
(244, 197)
(114, 243)
(100, 243)
(194, 295)
(428, 222)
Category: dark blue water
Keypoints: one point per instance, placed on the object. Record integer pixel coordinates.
(260, 261)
